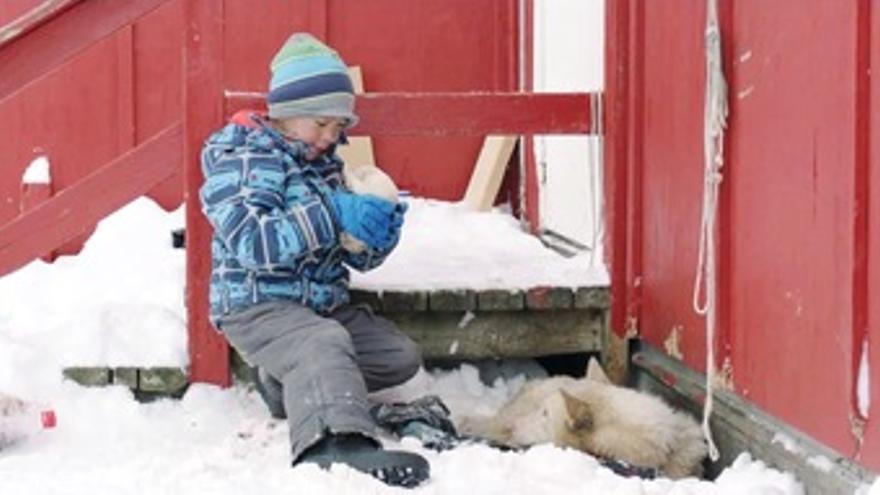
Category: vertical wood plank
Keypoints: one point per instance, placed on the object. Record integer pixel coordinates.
(617, 174)
(870, 453)
(861, 181)
(203, 112)
(529, 197)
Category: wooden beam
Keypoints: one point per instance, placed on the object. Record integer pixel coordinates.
(488, 172)
(76, 209)
(459, 114)
(28, 58)
(203, 113)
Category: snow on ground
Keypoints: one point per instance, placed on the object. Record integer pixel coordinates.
(120, 303)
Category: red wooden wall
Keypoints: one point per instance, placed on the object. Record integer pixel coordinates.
(434, 46)
(800, 235)
(125, 88)
(104, 101)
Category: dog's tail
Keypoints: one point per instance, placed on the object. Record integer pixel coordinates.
(686, 456)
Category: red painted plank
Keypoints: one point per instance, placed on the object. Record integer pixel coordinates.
(623, 56)
(870, 448)
(125, 102)
(27, 58)
(77, 208)
(203, 112)
(529, 192)
(861, 203)
(667, 175)
(458, 114)
(35, 15)
(795, 234)
(157, 85)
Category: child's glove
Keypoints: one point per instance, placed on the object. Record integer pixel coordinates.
(368, 218)
(396, 224)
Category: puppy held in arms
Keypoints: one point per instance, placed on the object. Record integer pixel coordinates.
(593, 415)
(366, 179)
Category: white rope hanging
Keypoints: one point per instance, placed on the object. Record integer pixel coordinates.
(715, 120)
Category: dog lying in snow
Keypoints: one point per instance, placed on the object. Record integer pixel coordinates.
(366, 179)
(593, 415)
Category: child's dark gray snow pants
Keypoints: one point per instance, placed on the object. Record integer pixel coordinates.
(326, 365)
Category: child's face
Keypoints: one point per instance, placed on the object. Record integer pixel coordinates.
(319, 133)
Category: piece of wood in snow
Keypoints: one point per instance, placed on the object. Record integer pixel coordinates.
(359, 150)
(488, 172)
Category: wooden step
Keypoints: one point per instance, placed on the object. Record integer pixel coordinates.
(467, 324)
(449, 325)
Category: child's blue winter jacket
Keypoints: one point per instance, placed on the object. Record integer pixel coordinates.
(275, 229)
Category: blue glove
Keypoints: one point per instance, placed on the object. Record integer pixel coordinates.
(396, 223)
(397, 215)
(368, 218)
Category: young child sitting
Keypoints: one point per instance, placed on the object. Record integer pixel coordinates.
(275, 196)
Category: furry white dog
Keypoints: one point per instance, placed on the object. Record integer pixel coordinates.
(366, 179)
(593, 415)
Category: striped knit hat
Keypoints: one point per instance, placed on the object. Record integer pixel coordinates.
(309, 79)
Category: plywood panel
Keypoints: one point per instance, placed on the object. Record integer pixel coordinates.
(488, 172)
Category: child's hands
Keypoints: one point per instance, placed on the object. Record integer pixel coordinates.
(373, 220)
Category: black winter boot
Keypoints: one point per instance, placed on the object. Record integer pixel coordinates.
(396, 468)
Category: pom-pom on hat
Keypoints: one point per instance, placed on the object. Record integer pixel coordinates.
(309, 79)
